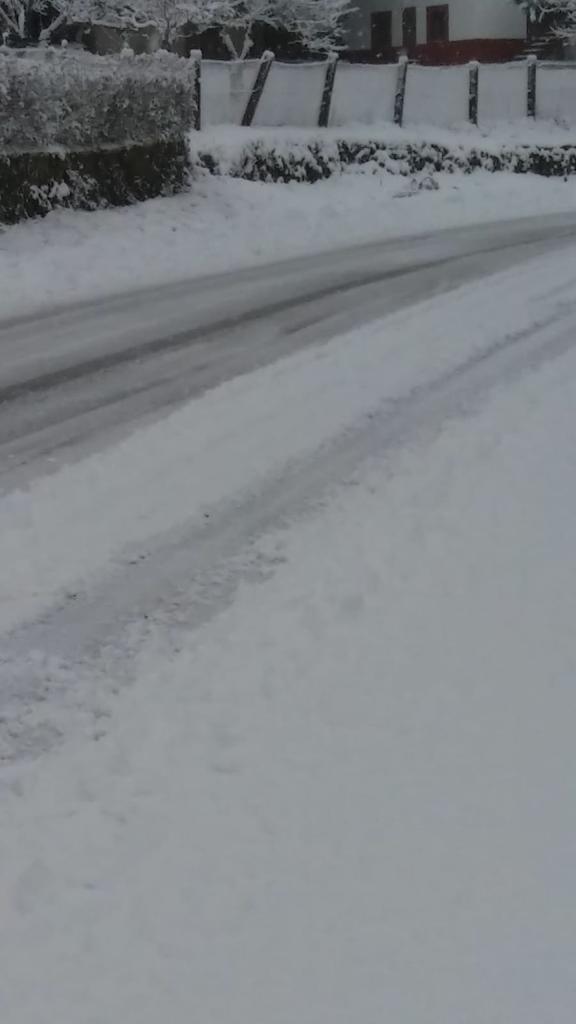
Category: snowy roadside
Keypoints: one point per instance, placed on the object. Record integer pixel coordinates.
(221, 224)
(68, 541)
(229, 139)
(350, 797)
(67, 526)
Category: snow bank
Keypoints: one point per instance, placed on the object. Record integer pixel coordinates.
(225, 223)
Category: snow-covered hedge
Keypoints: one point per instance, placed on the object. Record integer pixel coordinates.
(310, 160)
(64, 98)
(34, 183)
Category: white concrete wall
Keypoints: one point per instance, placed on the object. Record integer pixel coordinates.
(469, 19)
(491, 19)
(358, 24)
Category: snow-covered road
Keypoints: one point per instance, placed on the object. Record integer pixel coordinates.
(74, 378)
(287, 674)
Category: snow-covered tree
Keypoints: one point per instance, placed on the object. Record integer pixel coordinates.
(318, 23)
(167, 16)
(24, 20)
(15, 18)
(559, 14)
(315, 23)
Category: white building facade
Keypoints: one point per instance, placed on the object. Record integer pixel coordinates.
(453, 32)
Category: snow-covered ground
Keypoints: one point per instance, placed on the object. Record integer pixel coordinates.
(223, 223)
(348, 795)
(493, 138)
(68, 525)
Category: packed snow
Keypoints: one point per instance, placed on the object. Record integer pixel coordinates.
(323, 769)
(348, 797)
(223, 223)
(74, 522)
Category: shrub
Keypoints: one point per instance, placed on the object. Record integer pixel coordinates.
(34, 183)
(311, 161)
(74, 100)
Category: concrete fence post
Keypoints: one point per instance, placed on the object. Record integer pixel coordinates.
(326, 100)
(266, 61)
(400, 90)
(473, 78)
(531, 73)
(196, 56)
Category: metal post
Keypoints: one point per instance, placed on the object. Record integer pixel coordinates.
(196, 55)
(531, 69)
(400, 90)
(325, 102)
(266, 62)
(473, 73)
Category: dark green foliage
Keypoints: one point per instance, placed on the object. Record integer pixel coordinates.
(32, 184)
(316, 160)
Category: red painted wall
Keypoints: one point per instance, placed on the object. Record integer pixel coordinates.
(460, 51)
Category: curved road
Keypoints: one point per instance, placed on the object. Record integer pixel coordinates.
(352, 798)
(76, 378)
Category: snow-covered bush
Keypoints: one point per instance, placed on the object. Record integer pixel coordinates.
(33, 183)
(558, 17)
(311, 160)
(52, 98)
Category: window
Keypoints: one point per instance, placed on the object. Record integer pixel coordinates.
(437, 24)
(409, 29)
(381, 31)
